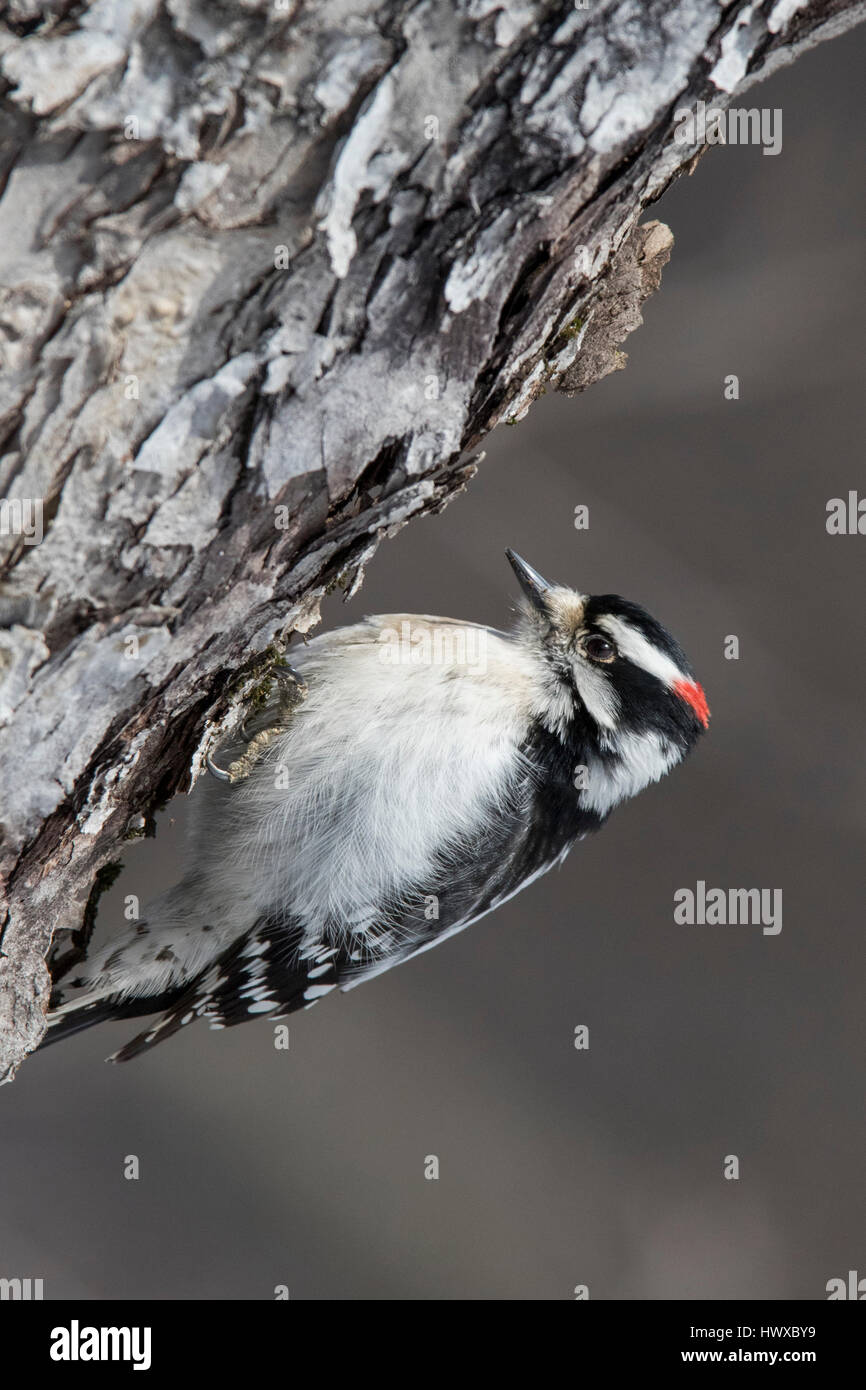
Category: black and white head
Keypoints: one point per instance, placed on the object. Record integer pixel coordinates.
(616, 689)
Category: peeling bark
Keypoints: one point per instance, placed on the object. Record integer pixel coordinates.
(269, 271)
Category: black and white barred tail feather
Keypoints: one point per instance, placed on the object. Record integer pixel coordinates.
(110, 1010)
(261, 975)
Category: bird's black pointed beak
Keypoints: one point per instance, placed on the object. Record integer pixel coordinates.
(531, 582)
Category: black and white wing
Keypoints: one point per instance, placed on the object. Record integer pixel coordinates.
(280, 966)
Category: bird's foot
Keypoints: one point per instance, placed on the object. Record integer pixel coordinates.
(293, 691)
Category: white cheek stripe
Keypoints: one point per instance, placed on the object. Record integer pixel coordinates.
(635, 647)
(642, 758)
(597, 694)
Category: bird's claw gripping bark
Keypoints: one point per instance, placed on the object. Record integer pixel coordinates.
(292, 693)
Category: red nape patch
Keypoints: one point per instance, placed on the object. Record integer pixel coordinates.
(693, 695)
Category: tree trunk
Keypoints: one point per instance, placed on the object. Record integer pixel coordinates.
(269, 271)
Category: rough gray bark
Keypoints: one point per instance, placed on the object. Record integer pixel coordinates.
(267, 272)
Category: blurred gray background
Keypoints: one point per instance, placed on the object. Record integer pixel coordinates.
(559, 1167)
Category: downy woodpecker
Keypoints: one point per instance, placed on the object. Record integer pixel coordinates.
(421, 772)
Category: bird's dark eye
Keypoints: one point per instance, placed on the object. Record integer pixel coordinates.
(598, 648)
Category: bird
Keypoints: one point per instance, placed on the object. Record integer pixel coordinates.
(410, 775)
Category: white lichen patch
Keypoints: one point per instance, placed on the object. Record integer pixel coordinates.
(735, 53)
(782, 13)
(474, 276)
(353, 175)
(355, 58)
(199, 181)
(100, 803)
(528, 392)
(122, 19)
(622, 99)
(416, 108)
(554, 110)
(510, 17)
(49, 73)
